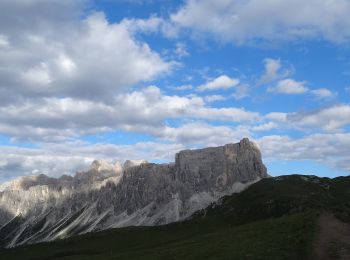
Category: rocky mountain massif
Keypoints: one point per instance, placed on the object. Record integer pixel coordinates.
(286, 217)
(40, 208)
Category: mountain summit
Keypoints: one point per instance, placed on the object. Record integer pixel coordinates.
(137, 193)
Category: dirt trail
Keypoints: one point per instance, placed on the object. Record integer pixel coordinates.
(333, 238)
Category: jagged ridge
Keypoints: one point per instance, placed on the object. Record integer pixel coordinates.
(40, 208)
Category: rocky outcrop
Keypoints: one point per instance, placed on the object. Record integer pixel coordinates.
(106, 196)
(219, 167)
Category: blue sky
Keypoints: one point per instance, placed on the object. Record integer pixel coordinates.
(142, 79)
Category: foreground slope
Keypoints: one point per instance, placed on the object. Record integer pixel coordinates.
(39, 208)
(276, 218)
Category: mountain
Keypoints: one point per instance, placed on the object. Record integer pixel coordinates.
(39, 208)
(286, 217)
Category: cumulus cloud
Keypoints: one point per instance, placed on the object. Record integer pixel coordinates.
(49, 51)
(277, 116)
(214, 98)
(256, 21)
(265, 127)
(142, 111)
(203, 134)
(329, 149)
(241, 91)
(277, 74)
(322, 93)
(273, 70)
(221, 82)
(329, 119)
(289, 86)
(332, 118)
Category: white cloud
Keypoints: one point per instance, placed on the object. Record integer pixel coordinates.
(273, 70)
(37, 76)
(4, 43)
(272, 67)
(142, 111)
(225, 114)
(55, 53)
(265, 127)
(181, 50)
(322, 93)
(258, 21)
(150, 25)
(198, 133)
(214, 98)
(277, 116)
(330, 119)
(66, 64)
(184, 87)
(329, 149)
(221, 82)
(241, 91)
(289, 86)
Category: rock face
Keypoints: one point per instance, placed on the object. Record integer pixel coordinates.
(220, 167)
(40, 208)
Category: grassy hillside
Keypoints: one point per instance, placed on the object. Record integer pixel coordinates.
(275, 218)
(275, 197)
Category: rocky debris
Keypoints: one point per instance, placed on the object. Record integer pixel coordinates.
(41, 208)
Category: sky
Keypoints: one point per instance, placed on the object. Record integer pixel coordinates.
(143, 79)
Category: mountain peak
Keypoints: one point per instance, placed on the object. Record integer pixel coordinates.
(245, 141)
(137, 193)
(104, 166)
(132, 163)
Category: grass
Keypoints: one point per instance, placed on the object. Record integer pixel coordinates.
(286, 237)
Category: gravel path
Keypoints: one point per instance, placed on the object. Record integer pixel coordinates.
(333, 238)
